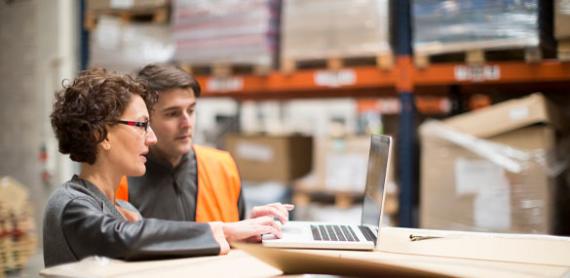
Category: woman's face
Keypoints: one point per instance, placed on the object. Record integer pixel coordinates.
(130, 143)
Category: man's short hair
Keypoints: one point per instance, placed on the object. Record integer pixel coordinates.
(162, 77)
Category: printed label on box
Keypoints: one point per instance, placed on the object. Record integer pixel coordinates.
(492, 205)
(257, 152)
(492, 208)
(473, 175)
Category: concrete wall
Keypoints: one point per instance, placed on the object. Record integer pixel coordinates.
(37, 42)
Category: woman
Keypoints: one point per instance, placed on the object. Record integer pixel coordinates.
(101, 121)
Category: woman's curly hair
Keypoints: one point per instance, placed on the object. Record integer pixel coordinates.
(84, 110)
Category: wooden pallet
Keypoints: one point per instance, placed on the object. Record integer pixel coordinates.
(383, 61)
(480, 56)
(341, 199)
(563, 52)
(226, 69)
(157, 15)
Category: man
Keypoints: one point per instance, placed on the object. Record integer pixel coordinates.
(186, 182)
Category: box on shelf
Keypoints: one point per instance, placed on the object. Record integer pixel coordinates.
(129, 47)
(320, 29)
(339, 170)
(341, 163)
(280, 158)
(562, 29)
(226, 32)
(493, 169)
(562, 19)
(459, 26)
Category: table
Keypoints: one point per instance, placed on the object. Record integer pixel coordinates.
(431, 253)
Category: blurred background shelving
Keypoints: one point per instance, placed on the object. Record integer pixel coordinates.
(273, 66)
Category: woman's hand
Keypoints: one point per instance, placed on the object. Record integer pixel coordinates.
(276, 210)
(220, 237)
(252, 229)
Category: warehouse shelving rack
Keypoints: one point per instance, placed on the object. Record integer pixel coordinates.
(401, 80)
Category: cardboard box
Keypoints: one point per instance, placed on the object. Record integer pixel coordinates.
(320, 29)
(271, 157)
(18, 237)
(118, 46)
(488, 170)
(562, 19)
(341, 165)
(339, 169)
(108, 5)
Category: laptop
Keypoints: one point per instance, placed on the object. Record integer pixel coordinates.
(320, 235)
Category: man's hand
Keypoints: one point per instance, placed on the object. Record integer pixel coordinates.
(252, 229)
(275, 210)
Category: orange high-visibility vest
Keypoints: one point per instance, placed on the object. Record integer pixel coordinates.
(218, 186)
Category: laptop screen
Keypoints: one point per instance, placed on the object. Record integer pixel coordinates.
(375, 179)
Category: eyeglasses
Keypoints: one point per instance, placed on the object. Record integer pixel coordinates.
(144, 125)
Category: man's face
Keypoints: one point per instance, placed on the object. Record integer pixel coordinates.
(172, 120)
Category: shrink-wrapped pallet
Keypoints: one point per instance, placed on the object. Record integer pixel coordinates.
(321, 29)
(463, 25)
(226, 31)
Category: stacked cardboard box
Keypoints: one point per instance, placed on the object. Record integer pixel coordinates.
(281, 158)
(493, 169)
(562, 28)
(341, 164)
(128, 47)
(320, 29)
(340, 168)
(226, 32)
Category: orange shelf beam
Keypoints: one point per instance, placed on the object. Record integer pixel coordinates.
(307, 82)
(300, 81)
(492, 73)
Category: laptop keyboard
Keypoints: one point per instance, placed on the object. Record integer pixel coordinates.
(339, 233)
(368, 234)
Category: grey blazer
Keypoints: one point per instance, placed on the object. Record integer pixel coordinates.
(80, 221)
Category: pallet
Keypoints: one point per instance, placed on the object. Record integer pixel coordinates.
(157, 15)
(563, 52)
(339, 199)
(342, 200)
(480, 56)
(226, 69)
(384, 61)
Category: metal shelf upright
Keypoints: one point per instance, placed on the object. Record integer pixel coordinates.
(407, 139)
